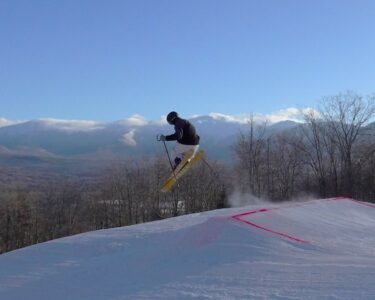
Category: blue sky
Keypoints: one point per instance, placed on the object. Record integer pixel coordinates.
(107, 60)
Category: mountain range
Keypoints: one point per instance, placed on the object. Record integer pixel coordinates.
(45, 148)
(78, 139)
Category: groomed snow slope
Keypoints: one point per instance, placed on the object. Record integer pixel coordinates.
(322, 249)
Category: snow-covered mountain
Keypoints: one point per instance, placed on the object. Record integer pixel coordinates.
(320, 249)
(57, 142)
(133, 136)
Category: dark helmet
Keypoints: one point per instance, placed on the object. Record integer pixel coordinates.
(172, 117)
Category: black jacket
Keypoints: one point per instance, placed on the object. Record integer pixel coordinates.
(184, 133)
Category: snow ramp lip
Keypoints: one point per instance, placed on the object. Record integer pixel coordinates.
(240, 217)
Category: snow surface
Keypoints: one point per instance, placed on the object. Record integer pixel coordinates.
(321, 249)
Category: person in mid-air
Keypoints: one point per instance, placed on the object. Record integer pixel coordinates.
(185, 135)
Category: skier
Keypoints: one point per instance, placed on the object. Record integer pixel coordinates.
(185, 135)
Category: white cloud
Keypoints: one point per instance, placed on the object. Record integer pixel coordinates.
(5, 122)
(134, 120)
(162, 120)
(229, 118)
(72, 125)
(291, 113)
(128, 138)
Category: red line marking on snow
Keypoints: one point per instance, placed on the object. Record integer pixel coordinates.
(355, 201)
(238, 217)
(363, 203)
(264, 210)
(270, 230)
(252, 212)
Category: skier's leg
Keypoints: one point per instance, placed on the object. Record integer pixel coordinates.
(177, 161)
(180, 150)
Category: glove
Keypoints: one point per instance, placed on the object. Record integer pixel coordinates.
(162, 138)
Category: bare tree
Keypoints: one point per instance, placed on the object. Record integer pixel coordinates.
(320, 152)
(250, 151)
(286, 165)
(345, 115)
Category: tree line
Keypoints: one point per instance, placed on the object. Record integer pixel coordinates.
(128, 193)
(332, 153)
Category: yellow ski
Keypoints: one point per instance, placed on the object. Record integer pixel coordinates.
(183, 162)
(181, 169)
